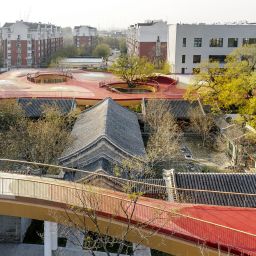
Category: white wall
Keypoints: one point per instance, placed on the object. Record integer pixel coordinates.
(151, 33)
(206, 32)
(85, 31)
(17, 29)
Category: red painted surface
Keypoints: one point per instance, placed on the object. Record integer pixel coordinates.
(218, 227)
(79, 87)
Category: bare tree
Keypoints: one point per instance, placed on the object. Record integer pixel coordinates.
(201, 123)
(41, 140)
(164, 132)
(86, 221)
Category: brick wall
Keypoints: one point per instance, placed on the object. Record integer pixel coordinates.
(148, 49)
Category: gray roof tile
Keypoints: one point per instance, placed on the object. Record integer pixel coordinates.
(226, 182)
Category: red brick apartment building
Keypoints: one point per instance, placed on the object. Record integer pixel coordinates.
(27, 44)
(148, 39)
(85, 37)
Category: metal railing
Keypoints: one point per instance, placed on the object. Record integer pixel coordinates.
(147, 187)
(163, 217)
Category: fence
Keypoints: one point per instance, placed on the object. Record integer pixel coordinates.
(155, 215)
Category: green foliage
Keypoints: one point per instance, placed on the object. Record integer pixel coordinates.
(132, 69)
(41, 141)
(113, 42)
(231, 89)
(10, 114)
(1, 58)
(65, 52)
(123, 46)
(102, 50)
(164, 68)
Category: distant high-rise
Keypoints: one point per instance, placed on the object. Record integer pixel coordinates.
(27, 44)
(191, 44)
(85, 37)
(148, 39)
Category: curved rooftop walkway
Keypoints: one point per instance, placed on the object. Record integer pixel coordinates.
(178, 229)
(84, 87)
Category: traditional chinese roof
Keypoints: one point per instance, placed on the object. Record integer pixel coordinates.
(108, 132)
(34, 107)
(180, 108)
(225, 182)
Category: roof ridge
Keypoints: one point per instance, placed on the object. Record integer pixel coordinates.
(215, 173)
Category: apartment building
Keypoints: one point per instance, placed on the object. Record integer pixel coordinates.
(27, 44)
(190, 44)
(85, 37)
(148, 39)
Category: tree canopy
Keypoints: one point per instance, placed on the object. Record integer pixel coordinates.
(42, 140)
(102, 50)
(230, 89)
(132, 69)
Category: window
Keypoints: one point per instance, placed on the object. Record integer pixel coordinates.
(196, 58)
(247, 41)
(196, 71)
(28, 36)
(218, 58)
(184, 42)
(183, 59)
(232, 42)
(216, 42)
(182, 70)
(197, 42)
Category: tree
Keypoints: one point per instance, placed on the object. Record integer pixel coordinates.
(102, 50)
(132, 69)
(201, 123)
(1, 58)
(163, 144)
(42, 141)
(86, 222)
(65, 52)
(230, 89)
(123, 46)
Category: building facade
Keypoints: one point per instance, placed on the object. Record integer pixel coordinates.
(148, 39)
(190, 44)
(27, 44)
(85, 37)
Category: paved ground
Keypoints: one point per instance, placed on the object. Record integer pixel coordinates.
(84, 85)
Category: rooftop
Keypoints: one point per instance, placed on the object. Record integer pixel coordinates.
(34, 107)
(225, 182)
(106, 131)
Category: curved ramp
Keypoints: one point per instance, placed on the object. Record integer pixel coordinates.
(178, 229)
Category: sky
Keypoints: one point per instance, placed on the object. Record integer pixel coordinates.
(116, 14)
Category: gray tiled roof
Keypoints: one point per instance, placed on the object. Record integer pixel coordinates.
(226, 182)
(180, 108)
(8, 24)
(34, 107)
(109, 120)
(107, 130)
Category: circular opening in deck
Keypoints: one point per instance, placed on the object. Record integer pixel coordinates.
(49, 78)
(139, 88)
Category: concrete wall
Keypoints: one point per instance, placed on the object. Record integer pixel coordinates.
(13, 229)
(206, 32)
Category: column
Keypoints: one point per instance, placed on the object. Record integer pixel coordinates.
(47, 239)
(170, 184)
(50, 237)
(141, 250)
